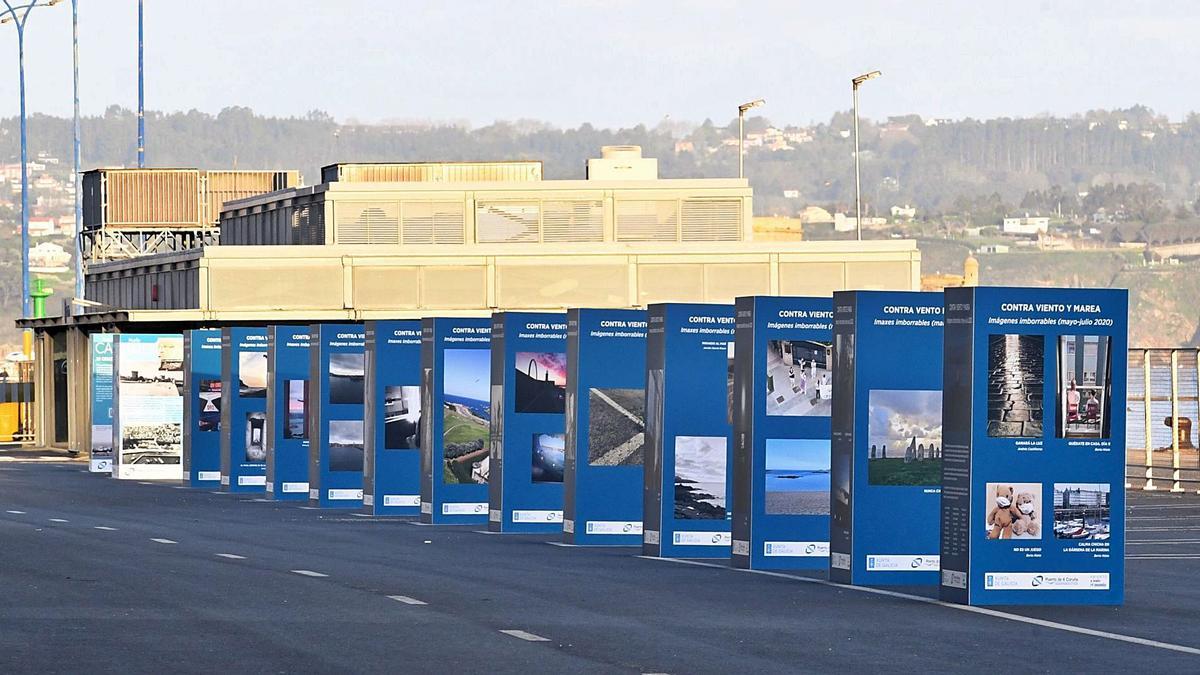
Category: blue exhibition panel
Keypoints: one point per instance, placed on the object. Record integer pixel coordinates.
(1033, 503)
(100, 434)
(287, 412)
(337, 370)
(689, 410)
(605, 427)
(244, 414)
(782, 401)
(887, 437)
(456, 356)
(202, 407)
(392, 450)
(528, 400)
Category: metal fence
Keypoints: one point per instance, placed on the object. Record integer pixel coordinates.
(1162, 420)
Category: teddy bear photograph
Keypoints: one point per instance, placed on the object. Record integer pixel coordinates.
(1014, 511)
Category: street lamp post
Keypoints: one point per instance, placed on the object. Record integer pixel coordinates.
(742, 133)
(141, 97)
(855, 83)
(19, 15)
(78, 177)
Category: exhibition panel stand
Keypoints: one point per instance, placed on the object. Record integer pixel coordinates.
(689, 406)
(392, 450)
(148, 407)
(337, 368)
(244, 415)
(528, 400)
(887, 437)
(100, 450)
(1033, 502)
(204, 398)
(605, 427)
(455, 375)
(782, 399)
(288, 412)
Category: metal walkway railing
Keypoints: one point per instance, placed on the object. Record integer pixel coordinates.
(1162, 419)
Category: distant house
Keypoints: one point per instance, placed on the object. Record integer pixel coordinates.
(905, 212)
(48, 255)
(1028, 225)
(41, 226)
(791, 194)
(1103, 217)
(993, 248)
(813, 215)
(844, 223)
(684, 146)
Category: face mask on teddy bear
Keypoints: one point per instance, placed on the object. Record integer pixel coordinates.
(1003, 502)
(1026, 508)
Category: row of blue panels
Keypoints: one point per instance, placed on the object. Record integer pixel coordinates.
(696, 431)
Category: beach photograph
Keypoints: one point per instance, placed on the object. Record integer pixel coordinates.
(1016, 374)
(256, 446)
(209, 393)
(102, 442)
(466, 415)
(297, 409)
(345, 445)
(252, 374)
(549, 454)
(1082, 511)
(346, 372)
(1084, 382)
(796, 480)
(541, 382)
(1013, 511)
(904, 437)
(616, 426)
(799, 378)
(401, 417)
(700, 484)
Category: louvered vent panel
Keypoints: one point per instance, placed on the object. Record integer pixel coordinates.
(711, 220)
(576, 220)
(647, 220)
(506, 222)
(367, 223)
(433, 222)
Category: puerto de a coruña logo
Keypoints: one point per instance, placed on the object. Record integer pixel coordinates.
(1037, 581)
(917, 562)
(810, 549)
(628, 527)
(716, 538)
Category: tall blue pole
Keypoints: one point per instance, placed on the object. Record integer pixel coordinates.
(24, 170)
(141, 97)
(78, 177)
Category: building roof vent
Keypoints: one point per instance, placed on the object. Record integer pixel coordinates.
(622, 162)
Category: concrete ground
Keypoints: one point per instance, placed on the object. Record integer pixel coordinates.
(107, 576)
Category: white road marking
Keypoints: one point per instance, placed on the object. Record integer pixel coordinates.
(362, 515)
(485, 532)
(218, 493)
(105, 528)
(59, 520)
(179, 487)
(309, 573)
(949, 605)
(310, 508)
(19, 513)
(407, 600)
(1162, 518)
(231, 556)
(1162, 529)
(159, 540)
(562, 544)
(1164, 506)
(524, 635)
(143, 482)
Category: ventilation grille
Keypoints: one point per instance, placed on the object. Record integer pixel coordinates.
(367, 223)
(433, 222)
(647, 220)
(573, 221)
(507, 222)
(711, 220)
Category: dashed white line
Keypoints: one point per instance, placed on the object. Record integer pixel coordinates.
(231, 556)
(361, 515)
(159, 540)
(308, 573)
(524, 635)
(180, 487)
(59, 520)
(144, 482)
(19, 513)
(105, 528)
(310, 508)
(407, 600)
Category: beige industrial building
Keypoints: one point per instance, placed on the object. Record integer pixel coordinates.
(375, 241)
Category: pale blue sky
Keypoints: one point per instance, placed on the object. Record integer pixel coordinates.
(613, 62)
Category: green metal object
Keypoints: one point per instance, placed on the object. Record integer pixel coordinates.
(38, 294)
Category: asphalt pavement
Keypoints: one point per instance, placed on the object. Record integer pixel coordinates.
(115, 576)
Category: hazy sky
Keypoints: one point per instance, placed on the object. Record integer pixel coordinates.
(612, 62)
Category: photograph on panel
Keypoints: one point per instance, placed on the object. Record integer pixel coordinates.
(700, 485)
(1081, 511)
(904, 437)
(796, 481)
(256, 446)
(209, 393)
(1084, 386)
(402, 417)
(346, 375)
(799, 379)
(466, 414)
(252, 374)
(345, 445)
(541, 382)
(1015, 378)
(616, 426)
(1014, 511)
(297, 409)
(549, 455)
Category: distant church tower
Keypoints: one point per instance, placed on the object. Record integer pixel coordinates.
(971, 271)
